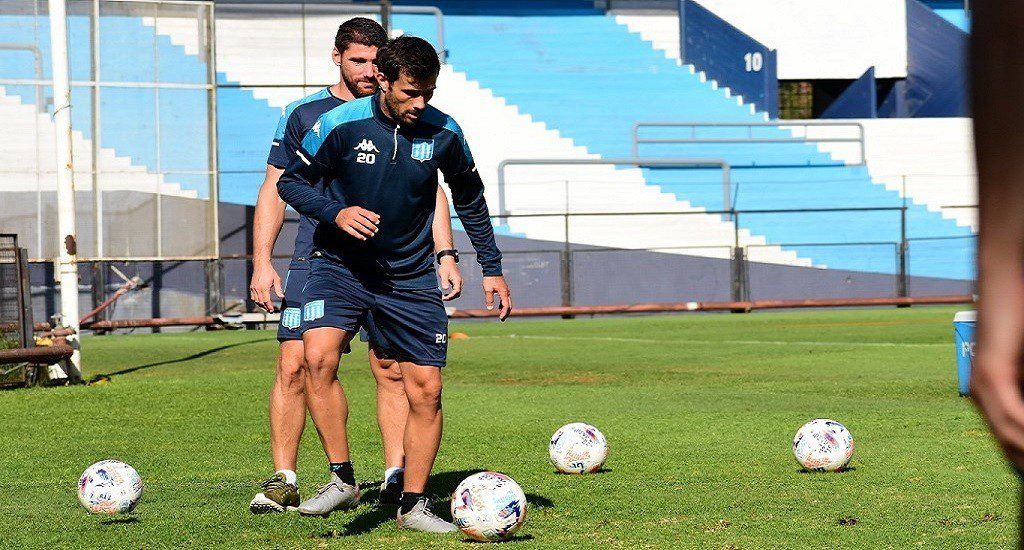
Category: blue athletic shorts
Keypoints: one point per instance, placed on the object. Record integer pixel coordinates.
(290, 327)
(406, 325)
(291, 307)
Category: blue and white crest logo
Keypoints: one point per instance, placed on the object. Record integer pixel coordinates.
(313, 310)
(422, 149)
(291, 318)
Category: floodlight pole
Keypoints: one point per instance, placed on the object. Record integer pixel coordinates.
(67, 263)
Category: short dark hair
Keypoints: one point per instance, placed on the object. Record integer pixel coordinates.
(411, 55)
(360, 30)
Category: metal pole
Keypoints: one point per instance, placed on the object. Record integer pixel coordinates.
(863, 145)
(901, 282)
(67, 263)
(99, 279)
(442, 49)
(157, 135)
(726, 188)
(216, 304)
(97, 194)
(385, 15)
(566, 265)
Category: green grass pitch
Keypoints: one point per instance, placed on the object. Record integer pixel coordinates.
(700, 412)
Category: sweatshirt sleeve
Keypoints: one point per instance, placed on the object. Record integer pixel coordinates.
(297, 186)
(468, 198)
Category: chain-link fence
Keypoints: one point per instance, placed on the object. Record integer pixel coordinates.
(739, 266)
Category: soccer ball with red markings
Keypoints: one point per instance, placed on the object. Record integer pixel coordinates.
(489, 506)
(110, 487)
(578, 448)
(823, 445)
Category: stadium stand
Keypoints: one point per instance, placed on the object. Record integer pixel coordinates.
(521, 79)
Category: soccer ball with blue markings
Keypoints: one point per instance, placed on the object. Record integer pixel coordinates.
(823, 445)
(110, 487)
(489, 506)
(578, 448)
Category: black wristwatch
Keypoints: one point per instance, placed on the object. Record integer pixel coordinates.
(451, 252)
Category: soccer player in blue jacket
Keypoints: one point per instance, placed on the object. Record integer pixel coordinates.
(356, 45)
(380, 156)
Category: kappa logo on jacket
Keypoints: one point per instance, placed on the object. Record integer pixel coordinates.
(366, 146)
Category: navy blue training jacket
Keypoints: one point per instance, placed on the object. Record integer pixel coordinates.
(367, 160)
(297, 119)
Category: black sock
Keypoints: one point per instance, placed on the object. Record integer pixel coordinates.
(344, 471)
(409, 500)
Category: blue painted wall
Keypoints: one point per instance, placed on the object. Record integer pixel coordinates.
(936, 65)
(858, 100)
(729, 56)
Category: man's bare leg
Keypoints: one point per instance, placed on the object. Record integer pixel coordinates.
(422, 439)
(392, 413)
(423, 429)
(392, 408)
(325, 397)
(287, 421)
(287, 406)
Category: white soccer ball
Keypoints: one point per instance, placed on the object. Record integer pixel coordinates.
(489, 506)
(823, 445)
(578, 448)
(110, 487)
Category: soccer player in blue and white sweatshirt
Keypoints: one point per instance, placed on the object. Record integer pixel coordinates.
(380, 156)
(355, 49)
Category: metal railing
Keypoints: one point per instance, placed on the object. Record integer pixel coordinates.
(204, 16)
(37, 58)
(693, 138)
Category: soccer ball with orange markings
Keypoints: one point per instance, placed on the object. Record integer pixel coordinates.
(578, 448)
(110, 487)
(489, 506)
(823, 445)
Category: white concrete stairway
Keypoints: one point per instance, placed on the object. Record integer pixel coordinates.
(661, 30)
(27, 153)
(928, 160)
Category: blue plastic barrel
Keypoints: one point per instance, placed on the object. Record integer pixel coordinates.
(963, 333)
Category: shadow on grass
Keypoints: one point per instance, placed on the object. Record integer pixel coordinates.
(517, 538)
(442, 483)
(121, 520)
(840, 471)
(106, 376)
(601, 471)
